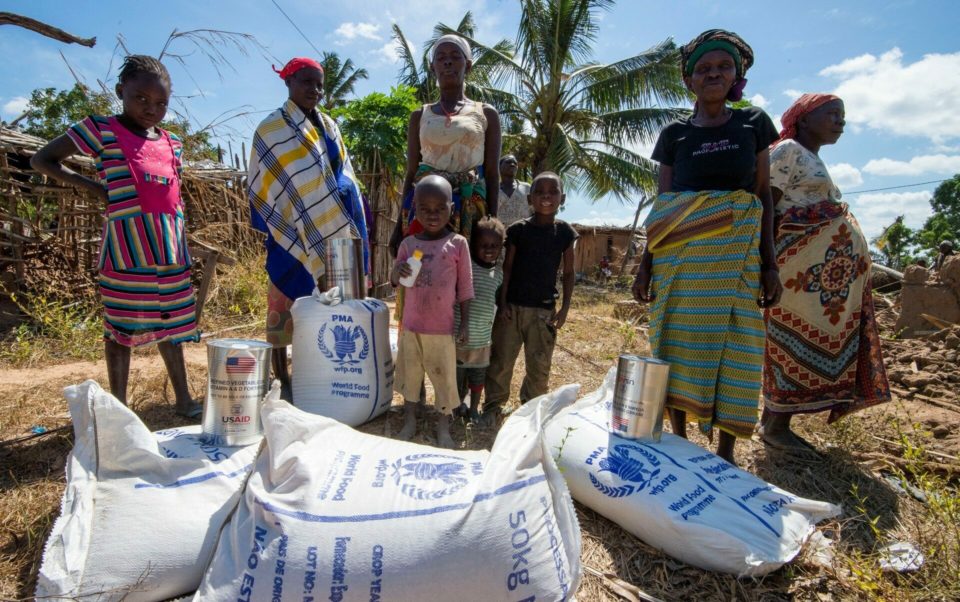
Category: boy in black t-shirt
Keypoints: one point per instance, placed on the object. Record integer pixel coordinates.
(528, 317)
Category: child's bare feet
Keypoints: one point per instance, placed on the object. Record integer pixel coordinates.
(409, 421)
(444, 439)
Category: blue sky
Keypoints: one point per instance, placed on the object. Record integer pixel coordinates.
(895, 63)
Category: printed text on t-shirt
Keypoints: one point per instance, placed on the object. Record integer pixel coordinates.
(715, 147)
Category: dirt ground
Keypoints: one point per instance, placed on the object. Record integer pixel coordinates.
(876, 464)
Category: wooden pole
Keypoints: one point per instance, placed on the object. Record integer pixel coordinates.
(633, 232)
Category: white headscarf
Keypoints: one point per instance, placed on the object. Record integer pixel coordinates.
(456, 41)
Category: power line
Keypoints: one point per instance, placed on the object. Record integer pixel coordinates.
(895, 187)
(303, 35)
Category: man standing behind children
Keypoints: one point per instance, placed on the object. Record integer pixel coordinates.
(528, 316)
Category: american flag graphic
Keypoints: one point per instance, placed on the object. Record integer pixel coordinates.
(241, 365)
(619, 422)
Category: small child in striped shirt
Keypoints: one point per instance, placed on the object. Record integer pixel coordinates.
(473, 356)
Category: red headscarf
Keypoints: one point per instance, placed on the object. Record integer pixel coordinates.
(295, 65)
(798, 109)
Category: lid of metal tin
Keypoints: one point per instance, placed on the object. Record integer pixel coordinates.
(238, 344)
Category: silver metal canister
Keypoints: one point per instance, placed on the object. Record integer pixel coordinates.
(639, 397)
(238, 379)
(345, 267)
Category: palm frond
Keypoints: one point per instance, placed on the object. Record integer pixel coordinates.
(635, 126)
(410, 74)
(653, 76)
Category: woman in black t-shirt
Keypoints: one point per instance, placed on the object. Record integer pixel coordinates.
(710, 255)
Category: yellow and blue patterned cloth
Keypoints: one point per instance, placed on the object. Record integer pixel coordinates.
(705, 320)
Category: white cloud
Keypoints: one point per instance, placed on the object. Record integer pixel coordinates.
(388, 52)
(15, 106)
(845, 176)
(924, 164)
(351, 31)
(877, 210)
(759, 100)
(792, 94)
(906, 99)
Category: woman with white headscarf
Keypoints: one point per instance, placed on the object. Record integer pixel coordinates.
(456, 138)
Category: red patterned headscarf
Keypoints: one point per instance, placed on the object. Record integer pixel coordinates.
(295, 65)
(798, 109)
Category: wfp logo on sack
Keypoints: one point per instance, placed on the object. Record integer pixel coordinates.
(346, 341)
(628, 463)
(429, 476)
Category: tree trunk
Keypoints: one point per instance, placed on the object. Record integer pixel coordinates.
(45, 30)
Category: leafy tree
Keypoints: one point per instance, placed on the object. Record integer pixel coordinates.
(894, 245)
(50, 111)
(339, 79)
(416, 72)
(196, 145)
(944, 224)
(375, 129)
(564, 112)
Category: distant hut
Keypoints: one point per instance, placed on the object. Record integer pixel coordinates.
(616, 242)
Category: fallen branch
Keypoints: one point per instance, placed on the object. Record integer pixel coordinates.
(45, 30)
(934, 402)
(945, 470)
(12, 442)
(938, 322)
(580, 357)
(926, 451)
(625, 590)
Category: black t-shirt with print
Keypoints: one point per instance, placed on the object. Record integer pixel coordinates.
(715, 158)
(536, 260)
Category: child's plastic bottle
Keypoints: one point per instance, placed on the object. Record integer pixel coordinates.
(415, 264)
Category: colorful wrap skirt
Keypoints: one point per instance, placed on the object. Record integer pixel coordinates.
(823, 346)
(705, 320)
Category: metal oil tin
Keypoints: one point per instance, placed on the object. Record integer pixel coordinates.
(639, 397)
(345, 267)
(238, 379)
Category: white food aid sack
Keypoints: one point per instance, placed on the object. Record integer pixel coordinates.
(342, 364)
(142, 511)
(676, 496)
(330, 513)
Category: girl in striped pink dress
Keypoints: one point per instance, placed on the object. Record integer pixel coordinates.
(144, 265)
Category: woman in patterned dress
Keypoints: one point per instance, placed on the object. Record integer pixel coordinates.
(823, 346)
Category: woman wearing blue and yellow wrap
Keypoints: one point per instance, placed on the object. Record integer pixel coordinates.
(710, 257)
(302, 192)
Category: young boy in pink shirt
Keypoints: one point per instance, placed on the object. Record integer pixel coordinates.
(427, 345)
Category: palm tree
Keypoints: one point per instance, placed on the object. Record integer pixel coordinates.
(339, 78)
(416, 72)
(565, 113)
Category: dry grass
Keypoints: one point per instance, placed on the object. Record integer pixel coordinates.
(875, 513)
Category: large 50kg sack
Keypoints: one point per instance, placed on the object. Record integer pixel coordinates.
(142, 511)
(342, 364)
(333, 514)
(677, 496)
